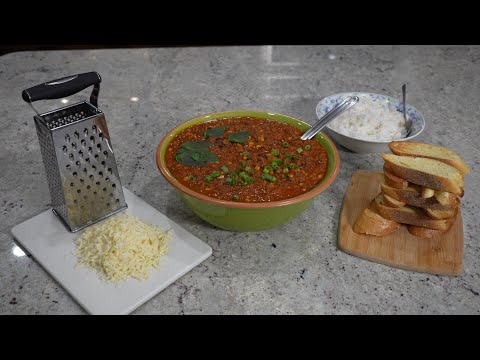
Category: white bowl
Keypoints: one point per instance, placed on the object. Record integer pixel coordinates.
(366, 146)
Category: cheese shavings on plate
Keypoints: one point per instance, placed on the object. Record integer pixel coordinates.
(122, 247)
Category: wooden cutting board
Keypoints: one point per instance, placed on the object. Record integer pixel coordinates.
(442, 255)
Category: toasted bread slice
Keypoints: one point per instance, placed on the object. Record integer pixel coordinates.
(393, 180)
(393, 202)
(410, 215)
(426, 172)
(419, 149)
(443, 214)
(370, 222)
(425, 232)
(412, 197)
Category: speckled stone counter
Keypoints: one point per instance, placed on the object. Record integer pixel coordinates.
(294, 269)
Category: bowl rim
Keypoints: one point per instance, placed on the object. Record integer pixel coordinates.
(371, 141)
(242, 205)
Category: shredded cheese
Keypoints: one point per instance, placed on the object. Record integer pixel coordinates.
(121, 247)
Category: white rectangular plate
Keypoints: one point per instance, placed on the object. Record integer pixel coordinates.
(53, 246)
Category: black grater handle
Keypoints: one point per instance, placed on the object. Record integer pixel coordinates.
(64, 87)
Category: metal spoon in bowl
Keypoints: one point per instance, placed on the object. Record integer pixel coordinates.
(408, 122)
(329, 116)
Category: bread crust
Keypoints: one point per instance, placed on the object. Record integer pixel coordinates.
(392, 201)
(393, 180)
(425, 232)
(370, 222)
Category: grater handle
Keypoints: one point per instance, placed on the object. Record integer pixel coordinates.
(65, 87)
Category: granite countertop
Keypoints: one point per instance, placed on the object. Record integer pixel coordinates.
(294, 269)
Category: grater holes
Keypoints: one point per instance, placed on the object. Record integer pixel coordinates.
(106, 154)
(69, 167)
(100, 173)
(79, 191)
(80, 152)
(85, 132)
(81, 180)
(92, 139)
(104, 189)
(67, 138)
(74, 173)
(65, 149)
(83, 142)
(94, 167)
(114, 185)
(70, 156)
(117, 200)
(101, 136)
(111, 194)
(107, 179)
(94, 193)
(90, 149)
(75, 201)
(85, 197)
(74, 146)
(96, 156)
(72, 184)
(87, 160)
(84, 170)
(99, 147)
(88, 187)
(94, 129)
(76, 134)
(77, 163)
(109, 170)
(91, 177)
(97, 183)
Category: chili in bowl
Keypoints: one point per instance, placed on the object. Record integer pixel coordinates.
(247, 170)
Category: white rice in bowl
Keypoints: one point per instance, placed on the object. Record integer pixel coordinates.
(372, 120)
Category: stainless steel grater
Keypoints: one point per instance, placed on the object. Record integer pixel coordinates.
(77, 153)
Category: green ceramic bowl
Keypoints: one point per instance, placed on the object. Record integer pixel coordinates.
(237, 216)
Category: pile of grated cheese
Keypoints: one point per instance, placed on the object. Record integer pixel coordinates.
(122, 247)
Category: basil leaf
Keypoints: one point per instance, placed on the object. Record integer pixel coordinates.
(195, 153)
(214, 132)
(239, 137)
(200, 145)
(189, 161)
(210, 157)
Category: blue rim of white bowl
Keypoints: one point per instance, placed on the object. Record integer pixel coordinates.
(341, 96)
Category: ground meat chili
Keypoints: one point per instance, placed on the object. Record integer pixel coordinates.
(271, 163)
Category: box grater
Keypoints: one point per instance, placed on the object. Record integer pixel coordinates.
(77, 153)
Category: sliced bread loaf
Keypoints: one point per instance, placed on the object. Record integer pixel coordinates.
(410, 215)
(411, 197)
(426, 172)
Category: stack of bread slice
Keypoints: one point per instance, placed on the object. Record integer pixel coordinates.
(420, 186)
